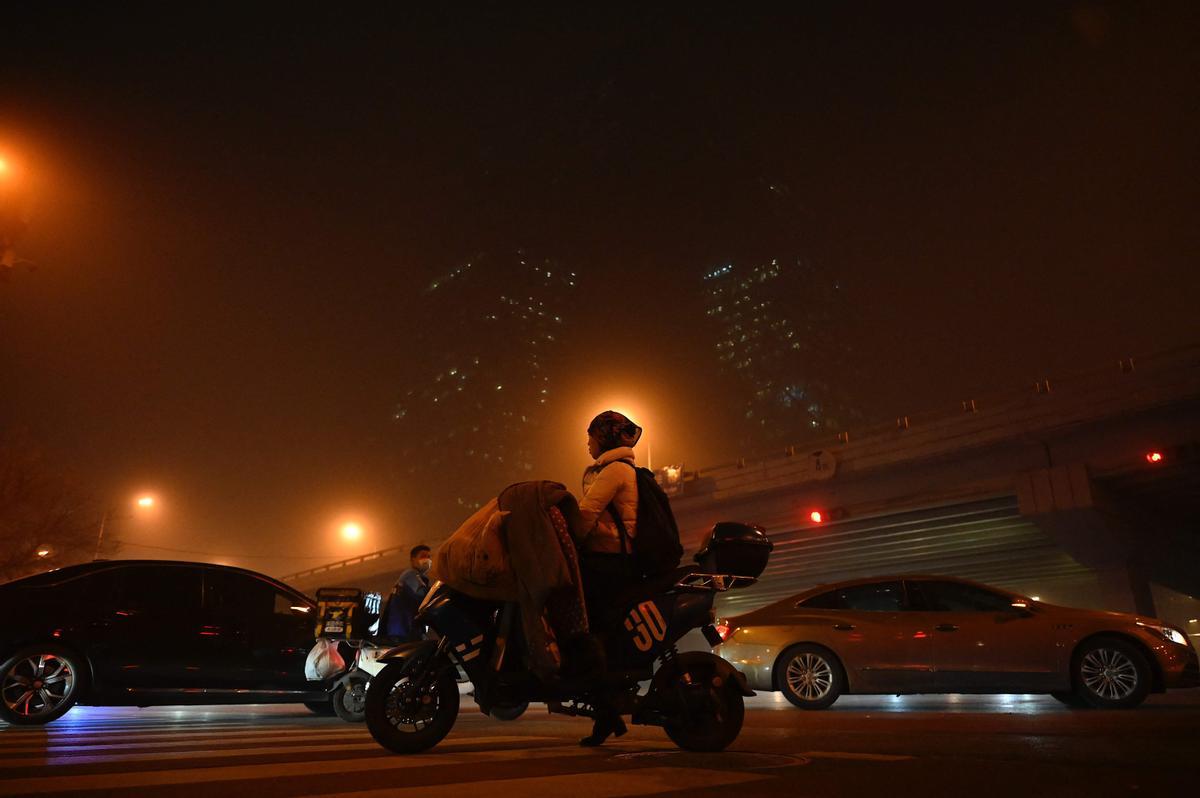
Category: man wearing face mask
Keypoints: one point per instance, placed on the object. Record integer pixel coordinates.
(407, 595)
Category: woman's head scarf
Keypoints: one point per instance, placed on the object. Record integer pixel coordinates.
(614, 430)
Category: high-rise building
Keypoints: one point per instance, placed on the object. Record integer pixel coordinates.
(489, 333)
(775, 325)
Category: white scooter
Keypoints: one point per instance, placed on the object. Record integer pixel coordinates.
(348, 619)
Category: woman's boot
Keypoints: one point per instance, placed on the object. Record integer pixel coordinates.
(606, 725)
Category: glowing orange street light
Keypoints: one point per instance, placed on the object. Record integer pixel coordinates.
(352, 530)
(143, 502)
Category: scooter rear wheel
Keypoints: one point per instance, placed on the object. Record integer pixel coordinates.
(349, 700)
(714, 712)
(406, 718)
(508, 712)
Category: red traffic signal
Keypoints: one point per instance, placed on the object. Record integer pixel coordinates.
(1154, 457)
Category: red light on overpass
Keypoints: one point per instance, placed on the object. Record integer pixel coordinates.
(826, 514)
(1154, 457)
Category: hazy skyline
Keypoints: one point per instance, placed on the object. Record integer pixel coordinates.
(236, 215)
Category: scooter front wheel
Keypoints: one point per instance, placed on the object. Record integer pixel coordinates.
(409, 710)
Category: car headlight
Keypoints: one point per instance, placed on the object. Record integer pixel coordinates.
(1166, 633)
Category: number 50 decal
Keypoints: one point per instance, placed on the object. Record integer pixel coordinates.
(647, 625)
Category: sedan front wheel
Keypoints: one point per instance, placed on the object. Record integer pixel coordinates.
(1110, 673)
(39, 684)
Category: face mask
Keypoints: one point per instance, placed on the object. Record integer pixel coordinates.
(424, 564)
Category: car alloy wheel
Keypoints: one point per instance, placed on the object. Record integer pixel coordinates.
(810, 676)
(37, 687)
(1109, 673)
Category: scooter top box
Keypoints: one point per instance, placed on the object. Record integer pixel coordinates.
(341, 614)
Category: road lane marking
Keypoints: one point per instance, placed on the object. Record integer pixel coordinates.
(635, 781)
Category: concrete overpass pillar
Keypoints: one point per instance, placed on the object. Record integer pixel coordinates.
(1126, 589)
(1060, 500)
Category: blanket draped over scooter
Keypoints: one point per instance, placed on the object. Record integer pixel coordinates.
(522, 547)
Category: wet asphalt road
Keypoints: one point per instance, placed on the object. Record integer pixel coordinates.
(913, 746)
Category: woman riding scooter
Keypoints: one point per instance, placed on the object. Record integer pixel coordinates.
(609, 486)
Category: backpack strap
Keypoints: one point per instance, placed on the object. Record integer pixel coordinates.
(626, 546)
(616, 517)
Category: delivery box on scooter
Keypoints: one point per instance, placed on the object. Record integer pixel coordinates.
(341, 614)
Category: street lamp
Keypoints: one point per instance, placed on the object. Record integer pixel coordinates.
(143, 502)
(352, 530)
(14, 215)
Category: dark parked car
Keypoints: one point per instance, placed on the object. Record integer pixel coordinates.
(936, 634)
(147, 632)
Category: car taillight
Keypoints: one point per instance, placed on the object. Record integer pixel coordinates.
(725, 630)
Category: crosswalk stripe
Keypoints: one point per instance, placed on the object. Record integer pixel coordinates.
(352, 732)
(358, 733)
(15, 733)
(111, 781)
(19, 737)
(232, 753)
(158, 756)
(65, 728)
(637, 781)
(856, 755)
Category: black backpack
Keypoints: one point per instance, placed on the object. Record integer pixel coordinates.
(656, 547)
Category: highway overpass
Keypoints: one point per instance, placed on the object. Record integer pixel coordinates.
(1082, 490)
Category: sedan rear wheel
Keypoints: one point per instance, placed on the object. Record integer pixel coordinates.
(811, 677)
(39, 684)
(1110, 673)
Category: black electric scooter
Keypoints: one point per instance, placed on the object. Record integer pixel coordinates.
(695, 696)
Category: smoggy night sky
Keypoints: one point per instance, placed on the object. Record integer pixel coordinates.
(235, 213)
